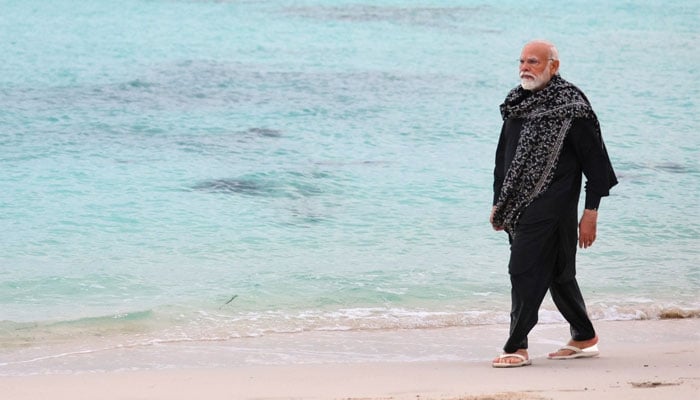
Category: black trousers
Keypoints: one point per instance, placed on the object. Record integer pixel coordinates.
(543, 258)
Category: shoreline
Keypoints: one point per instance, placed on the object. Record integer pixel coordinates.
(639, 360)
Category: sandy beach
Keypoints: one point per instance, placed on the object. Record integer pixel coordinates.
(639, 360)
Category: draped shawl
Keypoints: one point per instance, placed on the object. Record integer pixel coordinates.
(547, 117)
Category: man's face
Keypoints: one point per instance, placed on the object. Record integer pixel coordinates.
(536, 68)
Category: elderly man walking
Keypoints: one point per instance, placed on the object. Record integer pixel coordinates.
(550, 137)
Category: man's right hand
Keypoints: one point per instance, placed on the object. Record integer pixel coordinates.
(495, 228)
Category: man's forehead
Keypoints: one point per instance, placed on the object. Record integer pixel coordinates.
(539, 50)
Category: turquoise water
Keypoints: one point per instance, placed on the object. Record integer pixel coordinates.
(201, 170)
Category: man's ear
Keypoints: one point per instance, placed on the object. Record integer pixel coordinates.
(554, 67)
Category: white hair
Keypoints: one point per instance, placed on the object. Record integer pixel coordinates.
(553, 52)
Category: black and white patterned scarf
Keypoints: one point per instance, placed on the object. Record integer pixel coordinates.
(547, 114)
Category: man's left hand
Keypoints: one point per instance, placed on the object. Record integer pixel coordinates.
(587, 228)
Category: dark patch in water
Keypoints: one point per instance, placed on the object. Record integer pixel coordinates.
(240, 186)
(294, 189)
(265, 132)
(422, 16)
(291, 185)
(137, 84)
(672, 167)
(352, 163)
(637, 170)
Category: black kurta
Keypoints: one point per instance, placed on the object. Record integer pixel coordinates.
(558, 206)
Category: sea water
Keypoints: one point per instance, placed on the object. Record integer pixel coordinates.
(188, 171)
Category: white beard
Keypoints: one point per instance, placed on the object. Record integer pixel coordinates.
(538, 82)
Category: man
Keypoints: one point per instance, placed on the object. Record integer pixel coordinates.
(550, 136)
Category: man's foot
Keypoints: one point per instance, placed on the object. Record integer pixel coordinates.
(511, 360)
(576, 349)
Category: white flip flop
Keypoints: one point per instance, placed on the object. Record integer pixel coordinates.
(502, 364)
(587, 352)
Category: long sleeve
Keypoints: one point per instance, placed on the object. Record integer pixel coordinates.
(594, 160)
(499, 169)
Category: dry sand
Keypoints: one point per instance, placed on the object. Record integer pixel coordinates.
(639, 360)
